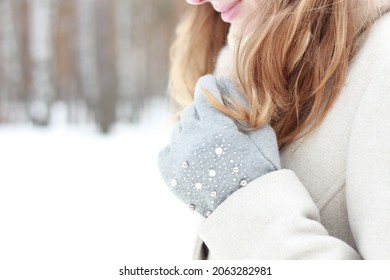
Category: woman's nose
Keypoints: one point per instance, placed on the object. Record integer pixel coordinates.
(196, 2)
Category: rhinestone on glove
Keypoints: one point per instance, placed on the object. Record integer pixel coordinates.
(215, 172)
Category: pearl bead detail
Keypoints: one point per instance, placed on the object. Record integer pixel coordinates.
(212, 173)
(173, 183)
(218, 151)
(209, 175)
(198, 186)
(243, 183)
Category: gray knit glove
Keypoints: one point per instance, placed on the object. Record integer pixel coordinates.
(209, 158)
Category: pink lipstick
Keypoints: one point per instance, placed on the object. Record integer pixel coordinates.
(229, 12)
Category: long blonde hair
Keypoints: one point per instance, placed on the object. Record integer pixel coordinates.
(291, 69)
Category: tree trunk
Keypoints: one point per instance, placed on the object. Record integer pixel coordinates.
(41, 49)
(11, 84)
(105, 36)
(125, 79)
(86, 52)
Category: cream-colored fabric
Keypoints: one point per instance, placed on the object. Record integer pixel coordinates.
(332, 199)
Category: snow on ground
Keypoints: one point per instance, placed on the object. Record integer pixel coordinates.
(75, 204)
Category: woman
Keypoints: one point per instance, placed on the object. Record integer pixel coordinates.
(286, 149)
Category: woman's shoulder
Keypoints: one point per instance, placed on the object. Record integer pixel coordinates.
(374, 45)
(370, 71)
(379, 31)
(382, 24)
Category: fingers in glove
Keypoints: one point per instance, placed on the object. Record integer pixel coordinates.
(265, 140)
(229, 89)
(162, 160)
(176, 132)
(189, 118)
(206, 111)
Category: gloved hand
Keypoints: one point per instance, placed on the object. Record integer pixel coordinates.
(209, 158)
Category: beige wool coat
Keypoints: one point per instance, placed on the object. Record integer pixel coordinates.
(331, 200)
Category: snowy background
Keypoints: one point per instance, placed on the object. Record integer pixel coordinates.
(83, 115)
(79, 205)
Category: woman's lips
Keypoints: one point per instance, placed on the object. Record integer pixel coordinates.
(229, 12)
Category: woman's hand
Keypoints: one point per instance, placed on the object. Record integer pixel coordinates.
(209, 158)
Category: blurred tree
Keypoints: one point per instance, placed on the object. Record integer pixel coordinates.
(152, 33)
(105, 111)
(10, 67)
(65, 47)
(86, 41)
(106, 59)
(24, 37)
(41, 51)
(124, 56)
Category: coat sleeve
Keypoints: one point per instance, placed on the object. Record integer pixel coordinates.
(368, 169)
(274, 217)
